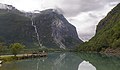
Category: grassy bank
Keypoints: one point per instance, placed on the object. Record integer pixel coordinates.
(8, 58)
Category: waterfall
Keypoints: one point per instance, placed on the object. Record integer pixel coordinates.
(36, 31)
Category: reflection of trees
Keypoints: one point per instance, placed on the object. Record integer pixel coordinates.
(14, 66)
(100, 61)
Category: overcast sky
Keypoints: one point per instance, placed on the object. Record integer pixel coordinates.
(83, 14)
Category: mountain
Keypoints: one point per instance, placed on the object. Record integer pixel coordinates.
(46, 28)
(55, 30)
(15, 28)
(6, 7)
(107, 36)
(9, 8)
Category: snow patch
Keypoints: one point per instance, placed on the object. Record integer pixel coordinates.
(3, 6)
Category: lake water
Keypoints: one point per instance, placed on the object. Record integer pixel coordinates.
(66, 61)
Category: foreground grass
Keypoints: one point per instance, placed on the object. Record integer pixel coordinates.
(8, 58)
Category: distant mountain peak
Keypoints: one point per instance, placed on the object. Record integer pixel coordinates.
(49, 11)
(36, 13)
(5, 6)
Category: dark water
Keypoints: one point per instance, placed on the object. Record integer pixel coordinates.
(66, 61)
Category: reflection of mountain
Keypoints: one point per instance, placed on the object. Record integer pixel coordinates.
(55, 61)
(65, 61)
(101, 62)
(62, 61)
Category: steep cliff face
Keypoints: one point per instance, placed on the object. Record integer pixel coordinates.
(110, 20)
(107, 33)
(54, 28)
(48, 28)
(15, 28)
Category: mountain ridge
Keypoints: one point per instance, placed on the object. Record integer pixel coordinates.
(52, 28)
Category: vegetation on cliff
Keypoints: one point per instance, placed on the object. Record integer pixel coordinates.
(107, 33)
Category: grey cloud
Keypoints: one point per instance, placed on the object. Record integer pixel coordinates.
(112, 0)
(85, 36)
(92, 15)
(72, 8)
(87, 33)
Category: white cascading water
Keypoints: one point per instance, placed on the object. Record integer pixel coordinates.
(36, 31)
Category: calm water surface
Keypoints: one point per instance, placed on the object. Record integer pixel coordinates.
(66, 61)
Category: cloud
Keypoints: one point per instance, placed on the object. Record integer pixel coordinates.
(75, 7)
(70, 8)
(85, 25)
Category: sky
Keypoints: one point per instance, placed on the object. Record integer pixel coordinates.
(83, 14)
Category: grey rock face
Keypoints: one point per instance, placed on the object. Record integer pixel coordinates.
(56, 27)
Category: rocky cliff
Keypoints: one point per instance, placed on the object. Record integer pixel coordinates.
(54, 28)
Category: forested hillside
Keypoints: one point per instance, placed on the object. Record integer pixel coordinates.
(107, 33)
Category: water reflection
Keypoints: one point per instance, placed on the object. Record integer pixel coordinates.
(59, 62)
(85, 65)
(101, 61)
(54, 61)
(66, 61)
(0, 65)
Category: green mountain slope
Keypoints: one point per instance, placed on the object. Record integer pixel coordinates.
(107, 33)
(15, 28)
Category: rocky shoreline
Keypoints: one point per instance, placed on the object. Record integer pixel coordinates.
(111, 51)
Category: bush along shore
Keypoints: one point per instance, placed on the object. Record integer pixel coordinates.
(17, 51)
(7, 58)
